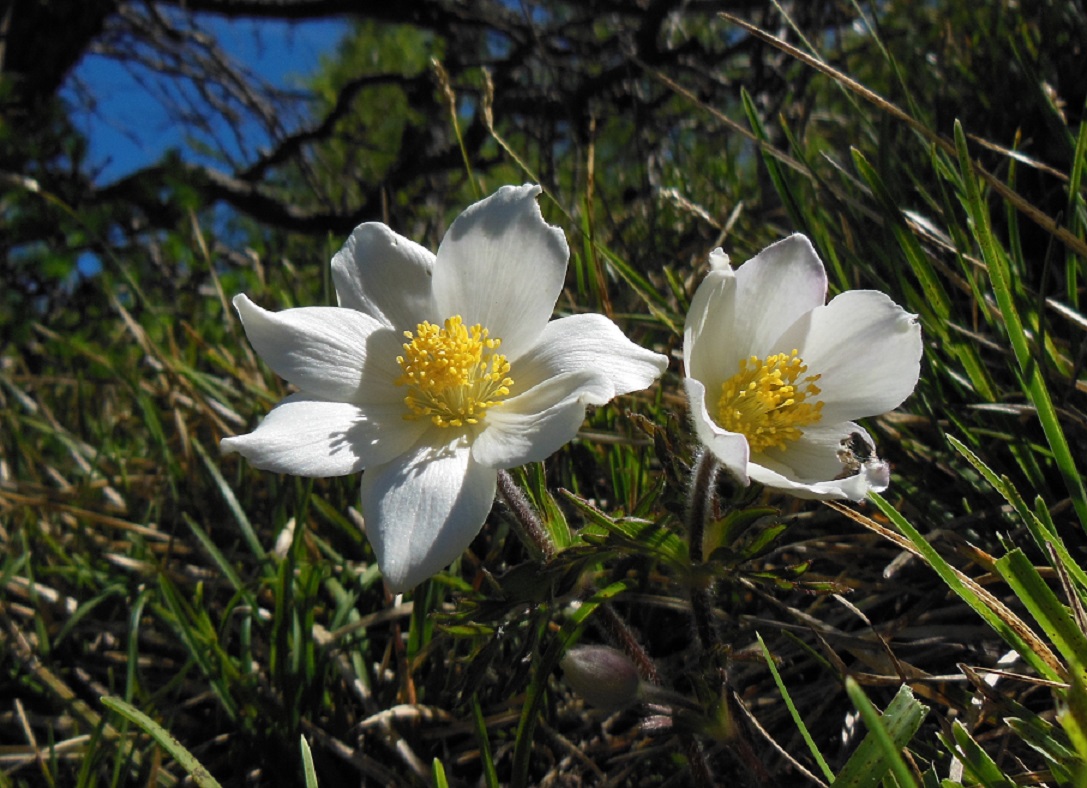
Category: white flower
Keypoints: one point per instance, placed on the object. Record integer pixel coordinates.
(776, 376)
(434, 372)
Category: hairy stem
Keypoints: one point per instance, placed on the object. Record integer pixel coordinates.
(625, 638)
(699, 506)
(532, 527)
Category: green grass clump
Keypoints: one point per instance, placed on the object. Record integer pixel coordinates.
(166, 611)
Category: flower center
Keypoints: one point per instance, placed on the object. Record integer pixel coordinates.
(452, 373)
(766, 401)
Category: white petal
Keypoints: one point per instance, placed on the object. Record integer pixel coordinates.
(719, 261)
(814, 457)
(333, 353)
(532, 426)
(423, 509)
(502, 266)
(873, 477)
(588, 343)
(730, 448)
(867, 350)
(306, 436)
(773, 289)
(385, 276)
(808, 467)
(711, 348)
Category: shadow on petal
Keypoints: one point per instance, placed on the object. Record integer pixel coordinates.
(424, 508)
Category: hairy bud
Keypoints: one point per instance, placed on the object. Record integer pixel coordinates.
(602, 675)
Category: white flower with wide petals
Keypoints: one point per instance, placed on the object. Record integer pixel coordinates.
(434, 372)
(775, 376)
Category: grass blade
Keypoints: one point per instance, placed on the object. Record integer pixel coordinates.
(976, 761)
(1034, 383)
(185, 759)
(248, 532)
(819, 759)
(881, 750)
(996, 614)
(307, 764)
(1054, 617)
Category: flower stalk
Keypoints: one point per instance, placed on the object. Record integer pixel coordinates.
(700, 505)
(532, 530)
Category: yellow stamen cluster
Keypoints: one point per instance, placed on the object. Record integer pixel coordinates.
(766, 401)
(452, 373)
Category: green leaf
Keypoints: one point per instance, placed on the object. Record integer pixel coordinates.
(880, 751)
(631, 535)
(490, 774)
(1049, 743)
(773, 168)
(227, 492)
(1075, 214)
(936, 299)
(726, 531)
(1072, 715)
(763, 540)
(1044, 532)
(468, 630)
(530, 712)
(533, 480)
(651, 296)
(220, 560)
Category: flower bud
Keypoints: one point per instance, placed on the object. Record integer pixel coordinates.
(605, 677)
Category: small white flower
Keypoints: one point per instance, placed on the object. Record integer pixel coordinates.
(776, 376)
(434, 372)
